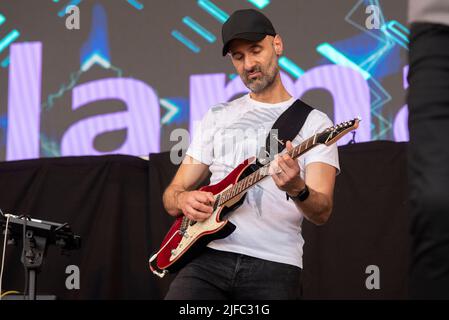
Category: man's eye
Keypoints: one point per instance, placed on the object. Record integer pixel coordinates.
(237, 56)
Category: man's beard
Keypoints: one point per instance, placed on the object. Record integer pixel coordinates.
(260, 83)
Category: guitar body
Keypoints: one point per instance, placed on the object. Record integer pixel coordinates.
(185, 240)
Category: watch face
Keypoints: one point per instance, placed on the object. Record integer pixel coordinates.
(303, 194)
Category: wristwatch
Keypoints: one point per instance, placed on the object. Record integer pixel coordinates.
(301, 196)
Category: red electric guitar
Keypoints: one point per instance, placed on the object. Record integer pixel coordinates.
(187, 237)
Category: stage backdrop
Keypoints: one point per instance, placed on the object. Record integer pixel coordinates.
(118, 76)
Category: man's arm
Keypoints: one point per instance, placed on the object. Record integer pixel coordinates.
(179, 199)
(320, 179)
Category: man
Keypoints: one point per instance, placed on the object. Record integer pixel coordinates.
(428, 102)
(262, 258)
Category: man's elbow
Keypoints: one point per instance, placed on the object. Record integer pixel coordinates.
(171, 211)
(323, 216)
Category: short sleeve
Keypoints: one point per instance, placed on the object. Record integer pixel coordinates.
(316, 123)
(201, 146)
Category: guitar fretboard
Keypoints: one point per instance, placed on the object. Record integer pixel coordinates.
(262, 172)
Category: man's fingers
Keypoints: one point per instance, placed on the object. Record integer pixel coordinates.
(274, 166)
(289, 160)
(205, 197)
(284, 167)
(290, 163)
(195, 215)
(277, 178)
(201, 207)
(271, 170)
(211, 197)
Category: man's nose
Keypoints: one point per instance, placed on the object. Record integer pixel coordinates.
(249, 63)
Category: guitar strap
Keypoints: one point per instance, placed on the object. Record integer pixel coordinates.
(287, 126)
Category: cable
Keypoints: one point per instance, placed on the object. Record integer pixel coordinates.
(4, 294)
(25, 290)
(4, 253)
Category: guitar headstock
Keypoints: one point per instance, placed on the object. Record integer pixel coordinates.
(333, 134)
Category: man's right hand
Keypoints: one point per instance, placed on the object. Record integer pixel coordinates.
(196, 205)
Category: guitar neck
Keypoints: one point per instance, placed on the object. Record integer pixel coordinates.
(255, 177)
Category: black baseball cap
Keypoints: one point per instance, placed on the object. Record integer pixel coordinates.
(248, 24)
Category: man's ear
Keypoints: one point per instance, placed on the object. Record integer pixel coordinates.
(278, 45)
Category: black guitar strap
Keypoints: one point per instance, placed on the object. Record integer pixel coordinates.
(288, 126)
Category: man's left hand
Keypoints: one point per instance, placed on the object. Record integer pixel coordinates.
(286, 173)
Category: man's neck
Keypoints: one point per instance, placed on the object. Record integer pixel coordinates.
(273, 94)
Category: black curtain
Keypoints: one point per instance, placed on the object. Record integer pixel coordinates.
(368, 227)
(105, 200)
(115, 204)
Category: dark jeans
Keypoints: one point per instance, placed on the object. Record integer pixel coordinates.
(219, 275)
(428, 102)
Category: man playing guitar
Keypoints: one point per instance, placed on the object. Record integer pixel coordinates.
(262, 258)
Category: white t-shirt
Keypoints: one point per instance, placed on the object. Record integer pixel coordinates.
(434, 11)
(268, 225)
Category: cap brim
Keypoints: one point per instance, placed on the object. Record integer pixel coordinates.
(251, 36)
